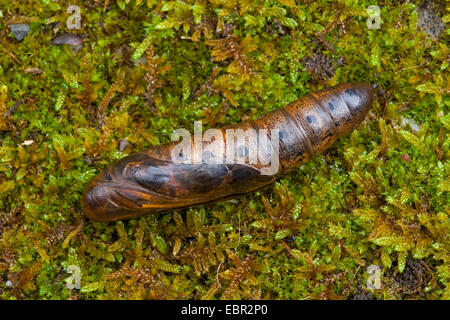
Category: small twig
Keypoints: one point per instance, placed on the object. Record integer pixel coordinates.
(73, 233)
(288, 249)
(217, 273)
(354, 276)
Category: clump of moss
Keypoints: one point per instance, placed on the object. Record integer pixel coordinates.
(379, 196)
(321, 66)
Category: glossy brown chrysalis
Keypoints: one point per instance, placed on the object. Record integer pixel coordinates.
(153, 181)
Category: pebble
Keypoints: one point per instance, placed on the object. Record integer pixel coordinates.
(68, 38)
(33, 70)
(405, 157)
(412, 124)
(123, 144)
(27, 143)
(19, 30)
(76, 42)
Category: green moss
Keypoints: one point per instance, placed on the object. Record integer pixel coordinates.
(379, 196)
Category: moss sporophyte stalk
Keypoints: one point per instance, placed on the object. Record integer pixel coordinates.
(366, 219)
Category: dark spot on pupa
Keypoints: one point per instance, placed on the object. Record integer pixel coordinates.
(352, 99)
(310, 119)
(282, 134)
(108, 177)
(240, 174)
(207, 155)
(136, 169)
(331, 106)
(242, 151)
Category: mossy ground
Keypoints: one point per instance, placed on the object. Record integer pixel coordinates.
(379, 196)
